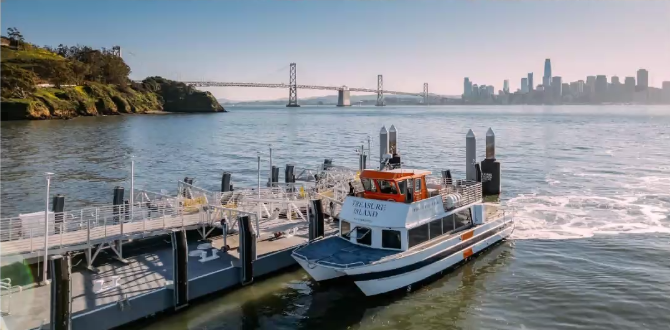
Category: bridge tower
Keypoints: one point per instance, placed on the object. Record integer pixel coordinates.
(425, 93)
(292, 88)
(380, 91)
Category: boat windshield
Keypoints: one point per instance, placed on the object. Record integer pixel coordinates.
(387, 187)
(368, 185)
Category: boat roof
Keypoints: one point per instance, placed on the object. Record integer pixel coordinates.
(397, 173)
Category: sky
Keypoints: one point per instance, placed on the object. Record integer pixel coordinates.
(350, 42)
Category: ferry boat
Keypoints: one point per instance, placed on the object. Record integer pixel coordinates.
(403, 229)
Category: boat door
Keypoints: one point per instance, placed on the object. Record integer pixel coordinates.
(409, 191)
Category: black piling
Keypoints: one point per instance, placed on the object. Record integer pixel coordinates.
(225, 182)
(58, 206)
(117, 202)
(275, 175)
(247, 250)
(60, 292)
(327, 163)
(478, 173)
(316, 225)
(490, 168)
(289, 176)
(180, 268)
(446, 177)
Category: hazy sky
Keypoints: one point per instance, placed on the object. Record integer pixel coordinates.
(350, 42)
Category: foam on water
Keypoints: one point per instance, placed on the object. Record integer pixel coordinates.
(639, 206)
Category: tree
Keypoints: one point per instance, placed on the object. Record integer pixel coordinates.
(17, 82)
(60, 73)
(16, 36)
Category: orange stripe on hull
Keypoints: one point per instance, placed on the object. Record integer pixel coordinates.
(467, 253)
(467, 235)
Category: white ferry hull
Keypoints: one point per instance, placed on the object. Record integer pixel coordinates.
(318, 272)
(386, 284)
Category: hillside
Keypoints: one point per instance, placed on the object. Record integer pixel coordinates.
(81, 81)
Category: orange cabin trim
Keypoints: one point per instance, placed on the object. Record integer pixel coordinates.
(394, 177)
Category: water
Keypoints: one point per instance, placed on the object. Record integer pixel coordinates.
(590, 186)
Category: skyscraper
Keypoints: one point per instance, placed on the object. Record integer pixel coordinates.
(524, 85)
(580, 87)
(467, 88)
(506, 86)
(642, 79)
(531, 87)
(629, 84)
(565, 89)
(490, 90)
(601, 87)
(556, 88)
(590, 85)
(546, 79)
(475, 91)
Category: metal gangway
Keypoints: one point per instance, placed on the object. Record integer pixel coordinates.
(280, 208)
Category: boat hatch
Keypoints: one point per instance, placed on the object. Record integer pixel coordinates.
(398, 185)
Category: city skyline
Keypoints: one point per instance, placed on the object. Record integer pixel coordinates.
(251, 41)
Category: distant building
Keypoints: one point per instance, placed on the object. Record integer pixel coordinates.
(580, 87)
(506, 86)
(615, 80)
(483, 92)
(666, 91)
(475, 91)
(556, 88)
(601, 87)
(530, 82)
(642, 79)
(629, 84)
(467, 88)
(590, 87)
(490, 90)
(524, 85)
(565, 89)
(546, 79)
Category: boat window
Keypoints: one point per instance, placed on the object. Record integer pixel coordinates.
(409, 198)
(417, 185)
(368, 185)
(363, 235)
(417, 235)
(345, 228)
(402, 186)
(387, 187)
(448, 223)
(391, 239)
(462, 218)
(435, 228)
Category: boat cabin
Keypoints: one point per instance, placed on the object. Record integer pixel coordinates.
(398, 211)
(398, 185)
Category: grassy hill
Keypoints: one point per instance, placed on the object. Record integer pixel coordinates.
(86, 82)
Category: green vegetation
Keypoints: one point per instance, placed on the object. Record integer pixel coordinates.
(84, 82)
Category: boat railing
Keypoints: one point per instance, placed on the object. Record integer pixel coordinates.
(459, 193)
(328, 263)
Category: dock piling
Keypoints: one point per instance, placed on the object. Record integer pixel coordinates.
(60, 292)
(247, 250)
(316, 224)
(490, 167)
(470, 156)
(289, 176)
(225, 182)
(393, 140)
(383, 146)
(58, 205)
(180, 268)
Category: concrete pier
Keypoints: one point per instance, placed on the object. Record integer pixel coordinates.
(343, 99)
(470, 156)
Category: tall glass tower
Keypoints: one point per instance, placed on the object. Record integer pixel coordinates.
(546, 79)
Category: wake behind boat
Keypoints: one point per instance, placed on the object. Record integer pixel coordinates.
(403, 228)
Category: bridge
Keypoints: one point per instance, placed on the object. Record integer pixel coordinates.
(343, 92)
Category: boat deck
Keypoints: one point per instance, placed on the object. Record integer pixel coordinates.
(346, 254)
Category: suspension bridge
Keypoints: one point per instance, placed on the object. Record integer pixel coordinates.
(343, 92)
